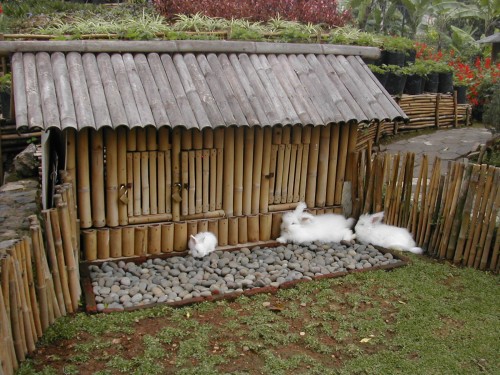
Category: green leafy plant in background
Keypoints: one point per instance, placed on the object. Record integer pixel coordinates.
(398, 44)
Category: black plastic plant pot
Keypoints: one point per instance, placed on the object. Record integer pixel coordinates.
(382, 77)
(394, 58)
(410, 57)
(431, 82)
(395, 83)
(5, 104)
(413, 85)
(461, 94)
(445, 83)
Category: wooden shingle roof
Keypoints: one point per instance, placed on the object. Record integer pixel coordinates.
(248, 84)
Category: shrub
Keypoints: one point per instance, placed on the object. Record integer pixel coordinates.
(491, 115)
(313, 11)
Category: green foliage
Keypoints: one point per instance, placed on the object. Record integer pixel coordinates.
(353, 36)
(398, 44)
(6, 82)
(491, 115)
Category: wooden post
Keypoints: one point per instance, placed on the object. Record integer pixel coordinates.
(128, 241)
(111, 177)
(83, 179)
(97, 157)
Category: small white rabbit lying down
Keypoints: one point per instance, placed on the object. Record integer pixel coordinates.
(201, 244)
(370, 230)
(298, 226)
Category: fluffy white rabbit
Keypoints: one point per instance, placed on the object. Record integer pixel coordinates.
(201, 244)
(299, 226)
(370, 230)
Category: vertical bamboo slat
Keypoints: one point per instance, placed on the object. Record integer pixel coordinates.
(249, 142)
(167, 238)
(103, 243)
(128, 241)
(90, 244)
(265, 222)
(192, 183)
(323, 163)
(115, 242)
(180, 236)
(257, 169)
(297, 173)
(161, 182)
(232, 232)
(142, 143)
(206, 181)
(97, 158)
(185, 182)
(228, 180)
(168, 183)
(154, 239)
(176, 173)
(223, 231)
(239, 142)
(342, 160)
(137, 184)
(140, 240)
(242, 229)
(278, 179)
(265, 175)
(199, 180)
(71, 147)
(212, 196)
(153, 182)
(83, 179)
(145, 188)
(253, 228)
(130, 184)
(272, 172)
(123, 194)
(276, 225)
(111, 142)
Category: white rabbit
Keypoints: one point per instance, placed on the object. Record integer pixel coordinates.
(370, 230)
(201, 244)
(299, 226)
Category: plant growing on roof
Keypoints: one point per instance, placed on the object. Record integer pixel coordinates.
(6, 82)
(398, 44)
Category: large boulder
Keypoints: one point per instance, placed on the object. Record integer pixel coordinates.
(26, 163)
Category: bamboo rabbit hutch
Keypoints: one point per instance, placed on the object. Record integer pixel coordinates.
(166, 139)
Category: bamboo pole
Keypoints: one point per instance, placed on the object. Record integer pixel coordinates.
(202, 226)
(242, 229)
(265, 172)
(153, 183)
(323, 165)
(434, 187)
(239, 151)
(7, 355)
(191, 183)
(276, 225)
(131, 191)
(272, 172)
(278, 179)
(102, 237)
(115, 242)
(297, 174)
(229, 166)
(90, 244)
(140, 240)
(423, 199)
(212, 180)
(180, 236)
(342, 159)
(219, 183)
(303, 171)
(185, 183)
(161, 182)
(128, 241)
(223, 232)
(63, 271)
(204, 215)
(145, 188)
(286, 172)
(248, 151)
(208, 138)
(257, 169)
(111, 143)
(71, 157)
(15, 319)
(83, 179)
(151, 142)
(41, 285)
(168, 182)
(187, 139)
(176, 173)
(192, 228)
(28, 309)
(253, 228)
(132, 140)
(283, 207)
(199, 182)
(149, 218)
(265, 221)
(142, 144)
(206, 181)
(494, 254)
(213, 227)
(233, 235)
(97, 158)
(197, 139)
(163, 138)
(291, 176)
(167, 238)
(488, 226)
(154, 239)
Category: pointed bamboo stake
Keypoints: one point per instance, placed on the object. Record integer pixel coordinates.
(7, 354)
(111, 177)
(167, 238)
(15, 318)
(422, 198)
(63, 272)
(53, 261)
(24, 265)
(83, 179)
(489, 227)
(128, 241)
(429, 208)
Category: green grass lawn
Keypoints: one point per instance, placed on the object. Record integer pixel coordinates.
(426, 318)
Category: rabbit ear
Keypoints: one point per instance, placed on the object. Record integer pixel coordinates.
(377, 218)
(300, 208)
(194, 239)
(306, 218)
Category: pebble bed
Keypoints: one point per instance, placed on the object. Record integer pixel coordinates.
(119, 285)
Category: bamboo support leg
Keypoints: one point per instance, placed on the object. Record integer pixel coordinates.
(115, 242)
(167, 238)
(128, 241)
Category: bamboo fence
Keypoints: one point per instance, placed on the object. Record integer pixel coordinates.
(454, 216)
(424, 111)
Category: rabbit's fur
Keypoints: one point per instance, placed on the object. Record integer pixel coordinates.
(299, 226)
(201, 244)
(370, 230)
